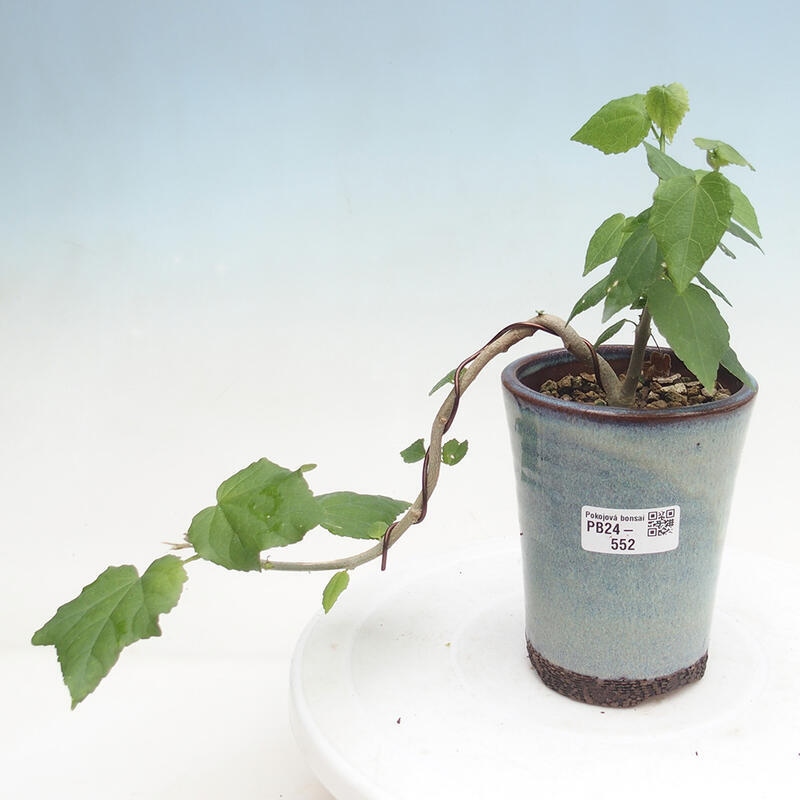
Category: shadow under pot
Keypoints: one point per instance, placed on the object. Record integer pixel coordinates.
(622, 515)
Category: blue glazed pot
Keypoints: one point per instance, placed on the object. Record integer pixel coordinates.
(623, 515)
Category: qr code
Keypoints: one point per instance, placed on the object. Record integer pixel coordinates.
(660, 522)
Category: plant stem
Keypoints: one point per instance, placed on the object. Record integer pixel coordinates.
(636, 361)
(466, 373)
(634, 371)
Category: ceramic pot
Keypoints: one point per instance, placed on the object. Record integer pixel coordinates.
(623, 515)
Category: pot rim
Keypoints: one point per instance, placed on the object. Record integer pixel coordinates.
(533, 362)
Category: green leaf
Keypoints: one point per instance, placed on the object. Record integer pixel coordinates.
(114, 611)
(741, 233)
(719, 154)
(636, 267)
(705, 282)
(591, 297)
(453, 451)
(358, 516)
(691, 323)
(632, 223)
(449, 378)
(662, 165)
(688, 219)
(605, 242)
(335, 586)
(743, 211)
(262, 506)
(618, 126)
(667, 106)
(414, 452)
(731, 363)
(612, 330)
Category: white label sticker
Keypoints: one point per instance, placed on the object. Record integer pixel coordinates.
(630, 531)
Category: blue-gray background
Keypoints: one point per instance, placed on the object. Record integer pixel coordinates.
(192, 151)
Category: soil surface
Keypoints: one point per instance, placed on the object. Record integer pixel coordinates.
(656, 390)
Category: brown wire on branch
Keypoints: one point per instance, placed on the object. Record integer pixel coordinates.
(527, 328)
(465, 374)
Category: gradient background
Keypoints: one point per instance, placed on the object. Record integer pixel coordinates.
(242, 229)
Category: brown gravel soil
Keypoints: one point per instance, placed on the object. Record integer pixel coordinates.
(656, 390)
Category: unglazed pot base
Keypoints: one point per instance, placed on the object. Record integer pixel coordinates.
(612, 692)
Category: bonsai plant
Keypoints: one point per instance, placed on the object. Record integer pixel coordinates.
(656, 257)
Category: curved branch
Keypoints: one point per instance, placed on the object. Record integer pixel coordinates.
(465, 374)
(584, 351)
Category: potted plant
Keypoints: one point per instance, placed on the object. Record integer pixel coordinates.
(625, 457)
